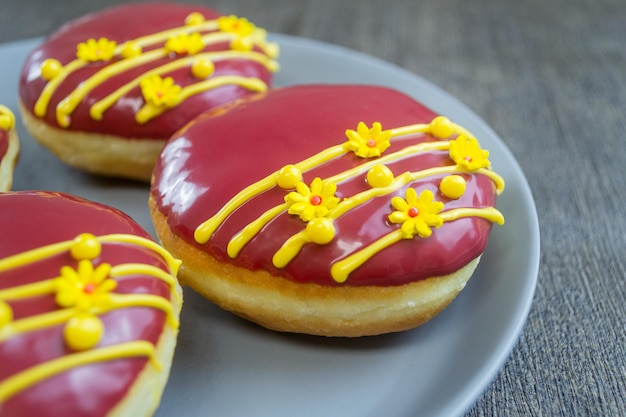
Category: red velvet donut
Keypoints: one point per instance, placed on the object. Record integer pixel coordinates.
(105, 91)
(332, 210)
(89, 309)
(9, 147)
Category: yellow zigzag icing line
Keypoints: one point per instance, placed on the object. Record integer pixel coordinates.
(172, 263)
(148, 112)
(22, 380)
(25, 379)
(162, 36)
(117, 301)
(27, 290)
(121, 270)
(32, 323)
(205, 230)
(293, 245)
(101, 106)
(341, 269)
(244, 236)
(21, 259)
(42, 103)
(68, 104)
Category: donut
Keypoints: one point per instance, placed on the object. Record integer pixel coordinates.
(89, 309)
(9, 147)
(105, 91)
(333, 210)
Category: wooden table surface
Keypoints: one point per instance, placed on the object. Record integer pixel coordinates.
(550, 78)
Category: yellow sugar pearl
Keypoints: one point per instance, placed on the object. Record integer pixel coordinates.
(194, 18)
(202, 68)
(320, 230)
(6, 122)
(452, 186)
(6, 314)
(131, 49)
(379, 176)
(241, 44)
(83, 331)
(288, 177)
(50, 68)
(85, 246)
(441, 127)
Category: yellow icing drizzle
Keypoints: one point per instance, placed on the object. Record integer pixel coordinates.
(148, 112)
(132, 56)
(27, 290)
(30, 324)
(83, 327)
(22, 380)
(145, 300)
(172, 263)
(7, 118)
(141, 269)
(54, 318)
(242, 238)
(41, 104)
(341, 269)
(384, 183)
(292, 246)
(34, 255)
(204, 231)
(97, 110)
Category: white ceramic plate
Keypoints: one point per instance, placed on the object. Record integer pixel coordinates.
(225, 366)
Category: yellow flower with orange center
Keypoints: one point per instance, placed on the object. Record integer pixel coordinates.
(85, 287)
(243, 30)
(93, 50)
(159, 91)
(237, 25)
(467, 153)
(368, 142)
(185, 44)
(314, 201)
(416, 214)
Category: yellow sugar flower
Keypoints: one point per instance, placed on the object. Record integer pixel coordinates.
(84, 287)
(185, 44)
(159, 91)
(238, 25)
(314, 201)
(366, 142)
(416, 214)
(467, 153)
(241, 28)
(96, 50)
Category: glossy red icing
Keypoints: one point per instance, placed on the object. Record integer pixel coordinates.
(123, 23)
(37, 218)
(211, 160)
(4, 143)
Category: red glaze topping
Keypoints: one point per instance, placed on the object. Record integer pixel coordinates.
(194, 181)
(35, 219)
(4, 143)
(7, 125)
(121, 24)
